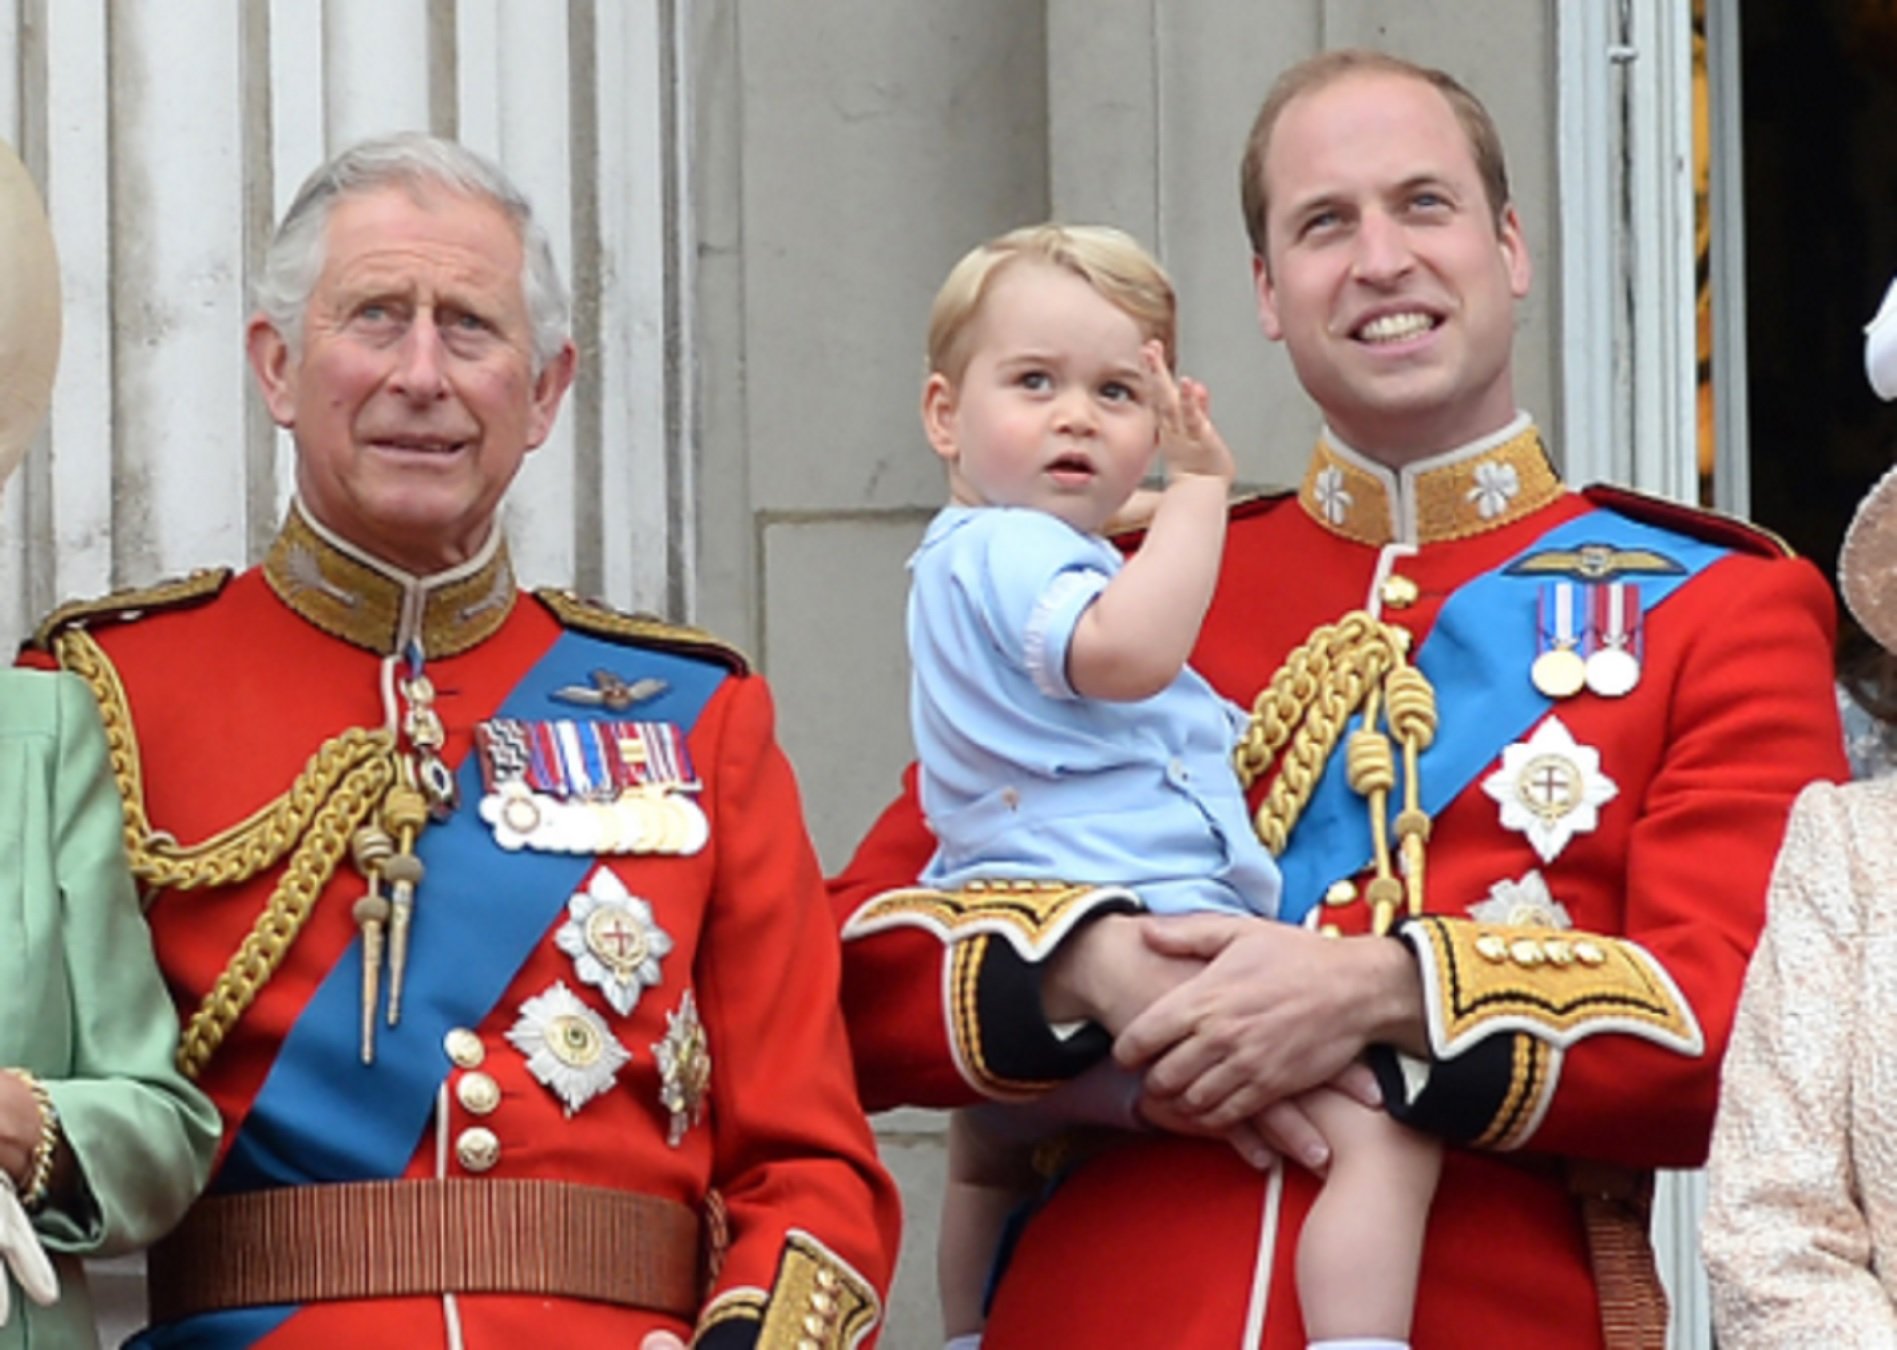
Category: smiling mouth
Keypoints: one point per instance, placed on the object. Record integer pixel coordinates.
(1396, 327)
(432, 447)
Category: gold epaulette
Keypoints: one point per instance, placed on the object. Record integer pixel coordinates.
(131, 603)
(646, 630)
(1715, 527)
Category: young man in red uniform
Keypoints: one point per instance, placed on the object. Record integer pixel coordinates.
(1524, 754)
(500, 944)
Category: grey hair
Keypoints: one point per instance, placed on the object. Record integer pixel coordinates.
(413, 159)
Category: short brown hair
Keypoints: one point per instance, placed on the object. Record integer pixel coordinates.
(1326, 68)
(1109, 260)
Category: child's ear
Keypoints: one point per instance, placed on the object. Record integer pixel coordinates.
(938, 416)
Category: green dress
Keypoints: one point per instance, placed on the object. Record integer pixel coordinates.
(82, 1005)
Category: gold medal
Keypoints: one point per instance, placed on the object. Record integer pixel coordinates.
(1559, 673)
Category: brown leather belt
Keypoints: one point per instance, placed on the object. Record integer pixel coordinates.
(380, 1239)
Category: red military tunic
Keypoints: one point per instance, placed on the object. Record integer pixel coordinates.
(1558, 1074)
(229, 693)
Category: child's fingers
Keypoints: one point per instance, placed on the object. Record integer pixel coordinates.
(1165, 389)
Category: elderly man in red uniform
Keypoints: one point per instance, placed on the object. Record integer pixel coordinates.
(1525, 755)
(499, 941)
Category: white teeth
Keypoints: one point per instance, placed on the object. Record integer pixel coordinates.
(1393, 327)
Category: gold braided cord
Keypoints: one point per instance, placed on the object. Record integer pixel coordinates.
(1357, 663)
(340, 786)
(1302, 712)
(311, 865)
(231, 855)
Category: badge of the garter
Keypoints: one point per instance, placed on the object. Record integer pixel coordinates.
(589, 787)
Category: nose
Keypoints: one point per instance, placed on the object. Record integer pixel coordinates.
(418, 371)
(1074, 413)
(1383, 249)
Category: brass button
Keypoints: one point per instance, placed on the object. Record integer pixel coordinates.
(477, 1093)
(1559, 952)
(1491, 947)
(477, 1148)
(1398, 592)
(827, 1280)
(464, 1048)
(1526, 951)
(1340, 892)
(1589, 954)
(815, 1325)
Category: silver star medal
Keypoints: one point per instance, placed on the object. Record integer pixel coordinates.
(1522, 904)
(1551, 788)
(614, 940)
(684, 1069)
(568, 1046)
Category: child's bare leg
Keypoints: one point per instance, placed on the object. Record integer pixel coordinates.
(988, 1176)
(1362, 1245)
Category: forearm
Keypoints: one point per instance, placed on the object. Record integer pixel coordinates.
(1135, 637)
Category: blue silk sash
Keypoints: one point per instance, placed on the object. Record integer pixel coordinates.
(1477, 658)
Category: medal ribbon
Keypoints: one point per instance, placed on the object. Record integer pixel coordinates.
(1617, 617)
(1477, 659)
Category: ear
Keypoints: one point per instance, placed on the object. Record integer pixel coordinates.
(1267, 298)
(1515, 253)
(555, 378)
(938, 417)
(270, 362)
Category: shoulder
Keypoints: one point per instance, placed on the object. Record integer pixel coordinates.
(1712, 527)
(639, 630)
(132, 603)
(32, 702)
(1011, 543)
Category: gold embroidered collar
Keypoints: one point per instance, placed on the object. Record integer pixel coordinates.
(1481, 486)
(363, 600)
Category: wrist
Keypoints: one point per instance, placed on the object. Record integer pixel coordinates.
(36, 1179)
(1068, 986)
(1394, 996)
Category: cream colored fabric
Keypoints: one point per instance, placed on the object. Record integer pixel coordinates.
(1801, 1225)
(29, 311)
(25, 1257)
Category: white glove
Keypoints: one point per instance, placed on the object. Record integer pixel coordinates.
(1880, 346)
(20, 1245)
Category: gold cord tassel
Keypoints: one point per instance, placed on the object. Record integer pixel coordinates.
(1357, 664)
(403, 814)
(370, 847)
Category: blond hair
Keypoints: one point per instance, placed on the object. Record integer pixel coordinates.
(1327, 68)
(1109, 260)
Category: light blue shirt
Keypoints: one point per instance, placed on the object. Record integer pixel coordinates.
(1024, 778)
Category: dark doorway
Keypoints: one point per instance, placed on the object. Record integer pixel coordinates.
(1819, 88)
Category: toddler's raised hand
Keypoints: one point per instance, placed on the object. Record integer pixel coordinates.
(1188, 442)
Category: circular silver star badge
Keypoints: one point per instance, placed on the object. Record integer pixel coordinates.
(614, 940)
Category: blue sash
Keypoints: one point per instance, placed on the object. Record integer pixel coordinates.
(1477, 658)
(321, 1114)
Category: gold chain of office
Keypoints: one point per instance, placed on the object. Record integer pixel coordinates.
(1356, 664)
(312, 822)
